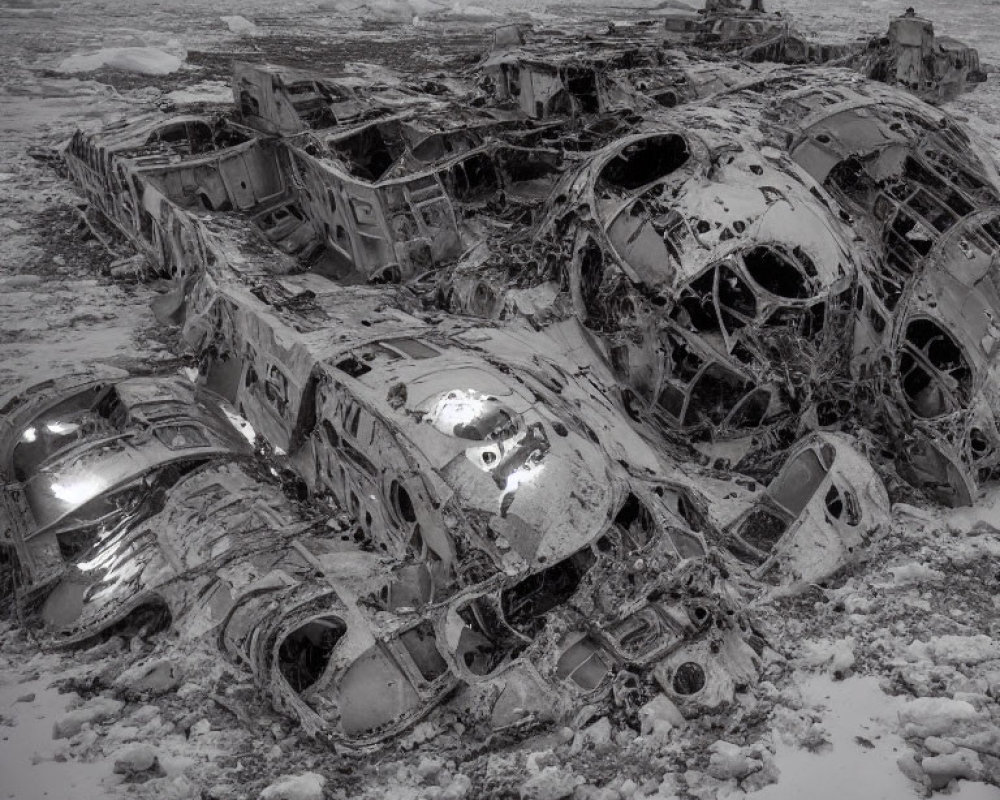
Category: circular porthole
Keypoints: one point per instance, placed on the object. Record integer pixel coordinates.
(689, 679)
(701, 616)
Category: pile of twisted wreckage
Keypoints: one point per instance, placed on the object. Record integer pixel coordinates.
(513, 387)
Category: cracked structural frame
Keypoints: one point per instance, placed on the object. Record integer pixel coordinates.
(513, 388)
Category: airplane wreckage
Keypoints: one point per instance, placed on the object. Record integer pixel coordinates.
(513, 387)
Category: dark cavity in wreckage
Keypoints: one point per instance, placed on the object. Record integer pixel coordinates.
(513, 388)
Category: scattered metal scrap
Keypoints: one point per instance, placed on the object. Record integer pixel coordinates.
(520, 455)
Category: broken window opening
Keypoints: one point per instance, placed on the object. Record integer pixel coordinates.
(687, 544)
(591, 261)
(852, 179)
(249, 105)
(926, 465)
(412, 348)
(907, 235)
(353, 366)
(11, 573)
(682, 362)
(671, 400)
(276, 389)
(421, 644)
(936, 187)
(635, 523)
(181, 437)
(581, 83)
(472, 179)
(486, 642)
(585, 663)
(330, 433)
(751, 410)
(111, 408)
(412, 587)
(367, 154)
(640, 633)
(930, 209)
(529, 167)
(852, 508)
(667, 99)
(762, 530)
(649, 630)
(689, 679)
(979, 445)
(737, 301)
(807, 322)
(797, 483)
(695, 308)
(525, 604)
(714, 395)
(304, 654)
(645, 161)
(775, 273)
(934, 373)
(834, 503)
(401, 503)
(74, 544)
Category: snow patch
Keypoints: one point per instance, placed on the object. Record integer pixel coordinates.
(143, 60)
(241, 25)
(471, 12)
(28, 770)
(836, 656)
(864, 748)
(914, 572)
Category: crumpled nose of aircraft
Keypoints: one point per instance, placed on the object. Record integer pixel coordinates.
(557, 509)
(547, 495)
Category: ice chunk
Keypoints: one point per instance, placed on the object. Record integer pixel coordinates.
(241, 25)
(659, 715)
(307, 786)
(914, 572)
(837, 656)
(97, 710)
(935, 716)
(957, 649)
(204, 92)
(144, 60)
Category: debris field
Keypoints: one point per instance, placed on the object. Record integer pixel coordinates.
(572, 423)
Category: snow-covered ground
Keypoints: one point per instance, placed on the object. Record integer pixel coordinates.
(885, 686)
